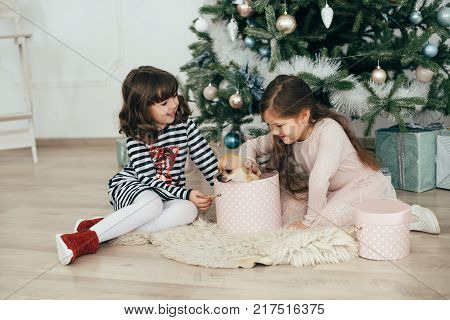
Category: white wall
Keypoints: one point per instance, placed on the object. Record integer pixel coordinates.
(77, 78)
(81, 51)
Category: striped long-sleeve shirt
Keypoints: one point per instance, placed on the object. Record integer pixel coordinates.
(160, 166)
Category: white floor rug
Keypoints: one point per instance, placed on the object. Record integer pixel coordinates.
(203, 244)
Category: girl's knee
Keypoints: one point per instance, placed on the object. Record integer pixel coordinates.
(156, 206)
(148, 206)
(185, 209)
(190, 210)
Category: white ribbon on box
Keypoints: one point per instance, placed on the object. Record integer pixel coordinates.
(443, 160)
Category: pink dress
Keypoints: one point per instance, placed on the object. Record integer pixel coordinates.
(337, 178)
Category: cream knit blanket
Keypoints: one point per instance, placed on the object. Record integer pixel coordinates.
(203, 244)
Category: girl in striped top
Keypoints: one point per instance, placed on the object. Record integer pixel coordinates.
(149, 194)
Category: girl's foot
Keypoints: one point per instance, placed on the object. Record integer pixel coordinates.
(84, 225)
(423, 220)
(73, 245)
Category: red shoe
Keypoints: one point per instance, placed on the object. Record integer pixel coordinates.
(73, 245)
(84, 225)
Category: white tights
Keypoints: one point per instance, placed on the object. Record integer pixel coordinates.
(148, 213)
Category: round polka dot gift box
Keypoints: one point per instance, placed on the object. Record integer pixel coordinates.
(246, 207)
(383, 229)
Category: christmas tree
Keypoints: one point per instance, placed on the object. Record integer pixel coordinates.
(365, 58)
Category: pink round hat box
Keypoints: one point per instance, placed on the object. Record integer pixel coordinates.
(383, 229)
(246, 207)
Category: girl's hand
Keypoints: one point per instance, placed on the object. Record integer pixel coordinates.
(251, 164)
(297, 225)
(201, 201)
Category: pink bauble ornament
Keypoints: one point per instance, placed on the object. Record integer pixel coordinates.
(286, 23)
(210, 92)
(236, 101)
(423, 74)
(245, 10)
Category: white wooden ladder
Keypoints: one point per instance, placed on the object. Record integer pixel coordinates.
(21, 138)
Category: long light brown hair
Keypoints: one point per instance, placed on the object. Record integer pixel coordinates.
(286, 96)
(142, 88)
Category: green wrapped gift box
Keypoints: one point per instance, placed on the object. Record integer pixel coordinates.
(121, 152)
(410, 157)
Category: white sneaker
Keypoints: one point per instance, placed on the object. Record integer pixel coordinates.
(423, 220)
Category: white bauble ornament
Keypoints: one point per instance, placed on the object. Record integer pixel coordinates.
(423, 74)
(201, 25)
(236, 101)
(233, 29)
(286, 23)
(210, 92)
(379, 75)
(224, 84)
(327, 15)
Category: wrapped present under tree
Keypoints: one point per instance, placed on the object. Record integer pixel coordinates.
(121, 152)
(409, 156)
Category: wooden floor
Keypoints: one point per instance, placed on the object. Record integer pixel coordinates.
(38, 201)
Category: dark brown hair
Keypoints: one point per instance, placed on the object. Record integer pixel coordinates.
(143, 87)
(287, 96)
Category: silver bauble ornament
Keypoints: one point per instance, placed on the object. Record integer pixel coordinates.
(443, 16)
(379, 75)
(327, 15)
(423, 74)
(224, 84)
(245, 10)
(430, 50)
(210, 92)
(415, 17)
(286, 23)
(264, 51)
(249, 42)
(201, 25)
(236, 101)
(232, 29)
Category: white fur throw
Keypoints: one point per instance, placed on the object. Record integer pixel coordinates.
(203, 244)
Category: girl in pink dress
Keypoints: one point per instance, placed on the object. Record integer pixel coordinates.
(323, 168)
